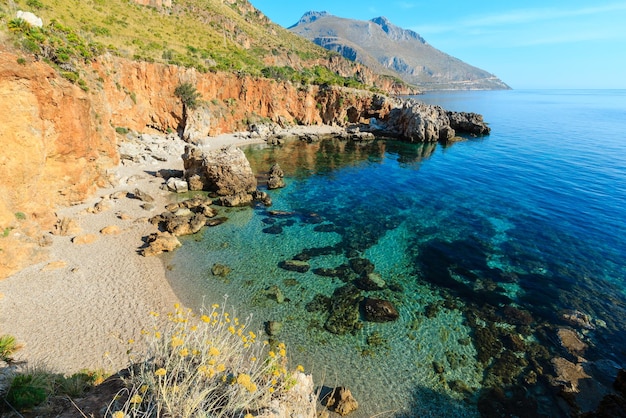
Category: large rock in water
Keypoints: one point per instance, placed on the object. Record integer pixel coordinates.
(226, 171)
(420, 122)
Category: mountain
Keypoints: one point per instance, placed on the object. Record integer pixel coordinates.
(391, 50)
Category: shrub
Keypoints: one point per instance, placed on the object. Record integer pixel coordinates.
(8, 344)
(207, 365)
(121, 130)
(20, 216)
(21, 61)
(30, 388)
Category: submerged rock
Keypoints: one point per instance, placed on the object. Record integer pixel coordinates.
(295, 265)
(220, 270)
(344, 311)
(379, 310)
(370, 282)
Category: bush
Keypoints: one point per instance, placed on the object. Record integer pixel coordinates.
(207, 365)
(8, 344)
(30, 389)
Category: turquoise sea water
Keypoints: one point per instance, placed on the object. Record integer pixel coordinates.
(484, 246)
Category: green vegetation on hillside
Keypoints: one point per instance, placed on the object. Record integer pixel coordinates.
(206, 34)
(209, 35)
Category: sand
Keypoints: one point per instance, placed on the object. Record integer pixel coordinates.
(79, 309)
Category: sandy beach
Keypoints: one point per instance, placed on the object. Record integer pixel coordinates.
(79, 309)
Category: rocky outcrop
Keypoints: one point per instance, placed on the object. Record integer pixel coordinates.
(419, 122)
(225, 172)
(341, 401)
(471, 123)
(275, 180)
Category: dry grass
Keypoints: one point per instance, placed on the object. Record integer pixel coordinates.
(203, 365)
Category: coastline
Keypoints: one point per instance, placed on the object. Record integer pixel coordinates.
(79, 308)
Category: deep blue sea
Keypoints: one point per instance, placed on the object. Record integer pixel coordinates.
(485, 247)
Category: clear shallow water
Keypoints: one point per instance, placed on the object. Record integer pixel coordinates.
(483, 245)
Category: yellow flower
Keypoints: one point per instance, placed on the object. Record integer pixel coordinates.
(252, 335)
(211, 362)
(271, 390)
(251, 388)
(215, 306)
(184, 352)
(231, 329)
(120, 414)
(131, 341)
(243, 379)
(221, 368)
(214, 351)
(253, 359)
(160, 372)
(271, 354)
(176, 306)
(205, 318)
(143, 389)
(193, 328)
(136, 399)
(248, 416)
(282, 352)
(177, 342)
(155, 314)
(300, 368)
(157, 335)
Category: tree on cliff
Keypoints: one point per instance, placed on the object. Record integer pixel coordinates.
(188, 95)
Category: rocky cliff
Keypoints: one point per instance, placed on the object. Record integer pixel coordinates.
(58, 139)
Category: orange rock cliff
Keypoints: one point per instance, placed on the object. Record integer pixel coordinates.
(58, 140)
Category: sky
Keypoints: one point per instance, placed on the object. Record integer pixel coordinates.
(531, 44)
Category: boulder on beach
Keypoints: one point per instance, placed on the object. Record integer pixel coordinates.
(225, 172)
(276, 175)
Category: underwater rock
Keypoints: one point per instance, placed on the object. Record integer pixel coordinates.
(220, 270)
(344, 311)
(379, 310)
(370, 282)
(515, 316)
(342, 272)
(361, 266)
(295, 265)
(274, 292)
(274, 229)
(319, 303)
(578, 318)
(216, 221)
(325, 228)
(571, 342)
(568, 374)
(273, 328)
(275, 180)
(341, 401)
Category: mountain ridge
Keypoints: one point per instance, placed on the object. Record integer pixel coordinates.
(391, 50)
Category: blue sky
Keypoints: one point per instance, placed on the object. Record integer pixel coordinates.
(531, 44)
